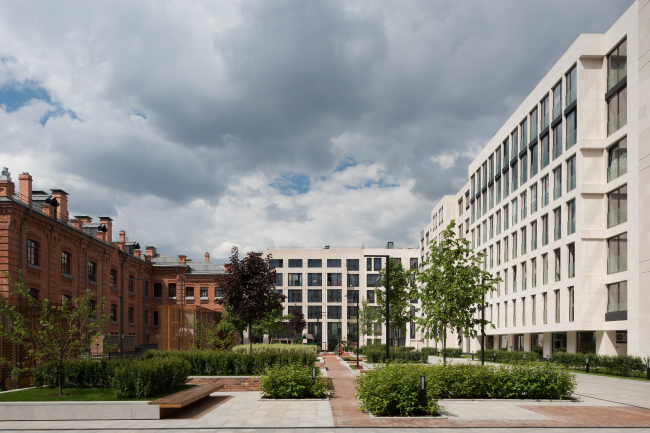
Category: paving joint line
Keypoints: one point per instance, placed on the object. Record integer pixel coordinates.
(612, 401)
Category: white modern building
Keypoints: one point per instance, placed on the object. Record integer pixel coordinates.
(325, 285)
(559, 200)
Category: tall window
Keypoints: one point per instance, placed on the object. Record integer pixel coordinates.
(334, 279)
(557, 214)
(131, 316)
(617, 65)
(544, 230)
(278, 280)
(545, 269)
(572, 259)
(515, 180)
(353, 280)
(204, 292)
(157, 290)
(545, 308)
(533, 198)
(314, 279)
(571, 129)
(617, 207)
(515, 143)
(506, 184)
(219, 295)
(131, 284)
(171, 287)
(506, 217)
(557, 306)
(524, 205)
(617, 112)
(557, 141)
(617, 254)
(558, 265)
(545, 151)
(370, 295)
(571, 217)
(189, 293)
(533, 271)
(314, 295)
(533, 124)
(534, 157)
(114, 278)
(352, 264)
(524, 132)
(546, 107)
(514, 211)
(92, 272)
(557, 180)
(571, 174)
(617, 297)
(571, 86)
(533, 235)
(545, 191)
(113, 314)
(617, 160)
(65, 263)
(557, 101)
(533, 300)
(571, 304)
(32, 252)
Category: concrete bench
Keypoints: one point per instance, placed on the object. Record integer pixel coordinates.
(186, 397)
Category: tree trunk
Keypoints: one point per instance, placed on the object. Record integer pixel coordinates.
(60, 383)
(250, 337)
(444, 345)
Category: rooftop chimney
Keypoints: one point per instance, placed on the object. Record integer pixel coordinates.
(84, 218)
(182, 259)
(62, 197)
(150, 250)
(77, 224)
(108, 222)
(7, 187)
(25, 188)
(137, 253)
(122, 236)
(207, 257)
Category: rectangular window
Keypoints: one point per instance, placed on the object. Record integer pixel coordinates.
(557, 141)
(278, 280)
(314, 295)
(524, 205)
(315, 312)
(515, 143)
(171, 289)
(571, 217)
(534, 310)
(352, 296)
(353, 280)
(546, 107)
(571, 86)
(189, 293)
(333, 312)
(571, 130)
(506, 218)
(557, 306)
(515, 180)
(533, 236)
(557, 101)
(558, 223)
(557, 179)
(352, 264)
(533, 266)
(204, 293)
(65, 263)
(571, 174)
(369, 262)
(617, 160)
(506, 157)
(544, 308)
(314, 279)
(295, 263)
(524, 169)
(334, 279)
(534, 167)
(294, 279)
(155, 318)
(413, 263)
(219, 295)
(506, 184)
(295, 295)
(533, 199)
(113, 278)
(314, 263)
(113, 315)
(157, 290)
(514, 212)
(558, 265)
(617, 112)
(131, 316)
(370, 295)
(617, 297)
(545, 152)
(334, 295)
(275, 263)
(545, 269)
(617, 254)
(131, 286)
(373, 280)
(617, 65)
(617, 207)
(533, 124)
(333, 263)
(572, 259)
(377, 263)
(32, 252)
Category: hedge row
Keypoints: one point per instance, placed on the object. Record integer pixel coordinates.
(434, 351)
(620, 365)
(292, 381)
(221, 363)
(258, 349)
(379, 355)
(508, 357)
(393, 390)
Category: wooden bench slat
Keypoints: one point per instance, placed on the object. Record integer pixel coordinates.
(185, 397)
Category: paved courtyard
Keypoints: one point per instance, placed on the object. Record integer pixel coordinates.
(614, 404)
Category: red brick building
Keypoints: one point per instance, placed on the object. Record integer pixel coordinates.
(62, 256)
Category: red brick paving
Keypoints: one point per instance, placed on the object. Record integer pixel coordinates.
(345, 409)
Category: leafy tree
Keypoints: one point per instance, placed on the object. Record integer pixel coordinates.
(297, 323)
(248, 291)
(368, 316)
(215, 335)
(452, 286)
(399, 297)
(51, 334)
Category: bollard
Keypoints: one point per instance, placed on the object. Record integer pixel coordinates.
(423, 393)
(587, 364)
(495, 356)
(524, 356)
(648, 370)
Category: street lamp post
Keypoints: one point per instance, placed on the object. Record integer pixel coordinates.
(387, 302)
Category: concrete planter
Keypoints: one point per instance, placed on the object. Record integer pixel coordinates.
(77, 410)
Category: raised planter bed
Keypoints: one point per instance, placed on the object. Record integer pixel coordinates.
(77, 410)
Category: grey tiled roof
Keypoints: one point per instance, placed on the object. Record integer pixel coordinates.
(163, 260)
(193, 268)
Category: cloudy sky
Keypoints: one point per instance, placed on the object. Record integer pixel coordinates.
(289, 123)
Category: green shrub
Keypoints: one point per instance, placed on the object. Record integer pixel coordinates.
(277, 348)
(452, 352)
(82, 373)
(619, 365)
(379, 355)
(222, 363)
(430, 351)
(394, 389)
(292, 381)
(144, 379)
(509, 357)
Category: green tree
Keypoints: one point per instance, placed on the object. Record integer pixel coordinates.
(368, 316)
(399, 297)
(51, 334)
(452, 286)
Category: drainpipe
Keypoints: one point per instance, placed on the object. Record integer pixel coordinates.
(20, 266)
(122, 310)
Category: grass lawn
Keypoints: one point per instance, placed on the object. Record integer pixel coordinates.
(80, 394)
(591, 373)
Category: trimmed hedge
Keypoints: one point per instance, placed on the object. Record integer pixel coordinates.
(259, 349)
(143, 379)
(450, 351)
(83, 373)
(292, 381)
(619, 365)
(394, 389)
(221, 363)
(379, 355)
(508, 357)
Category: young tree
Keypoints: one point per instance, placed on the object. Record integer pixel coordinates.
(214, 335)
(368, 316)
(248, 290)
(399, 297)
(297, 323)
(51, 334)
(452, 287)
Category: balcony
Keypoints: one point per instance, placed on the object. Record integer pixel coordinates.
(533, 244)
(571, 183)
(558, 232)
(523, 248)
(616, 217)
(545, 121)
(617, 123)
(616, 76)
(557, 110)
(616, 312)
(557, 149)
(544, 239)
(617, 169)
(572, 270)
(557, 191)
(571, 139)
(571, 96)
(534, 169)
(571, 227)
(617, 264)
(544, 159)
